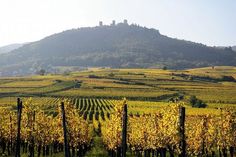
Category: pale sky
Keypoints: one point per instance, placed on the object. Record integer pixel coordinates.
(211, 22)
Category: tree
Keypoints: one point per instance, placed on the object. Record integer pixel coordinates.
(66, 73)
(228, 78)
(194, 102)
(41, 72)
(111, 75)
(164, 68)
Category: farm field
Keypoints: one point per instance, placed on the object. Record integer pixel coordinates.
(135, 84)
(95, 95)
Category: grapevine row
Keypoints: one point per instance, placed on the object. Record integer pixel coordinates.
(159, 133)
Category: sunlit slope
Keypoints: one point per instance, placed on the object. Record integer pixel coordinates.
(211, 84)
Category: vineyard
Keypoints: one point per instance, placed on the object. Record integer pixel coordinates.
(41, 133)
(157, 134)
(94, 122)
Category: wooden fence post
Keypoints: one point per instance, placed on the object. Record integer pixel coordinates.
(182, 131)
(66, 147)
(124, 130)
(18, 141)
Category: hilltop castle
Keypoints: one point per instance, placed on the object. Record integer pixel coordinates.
(114, 23)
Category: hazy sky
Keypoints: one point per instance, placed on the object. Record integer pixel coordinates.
(212, 22)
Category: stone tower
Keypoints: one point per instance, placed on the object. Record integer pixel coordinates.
(113, 23)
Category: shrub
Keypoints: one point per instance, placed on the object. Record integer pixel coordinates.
(164, 68)
(228, 78)
(111, 75)
(93, 76)
(194, 102)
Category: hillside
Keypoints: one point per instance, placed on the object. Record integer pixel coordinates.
(234, 48)
(9, 48)
(94, 97)
(212, 85)
(119, 46)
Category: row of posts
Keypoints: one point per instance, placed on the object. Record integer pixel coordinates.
(124, 130)
(181, 130)
(18, 142)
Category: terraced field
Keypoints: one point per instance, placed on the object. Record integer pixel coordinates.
(207, 84)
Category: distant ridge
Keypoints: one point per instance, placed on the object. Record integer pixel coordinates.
(117, 45)
(9, 48)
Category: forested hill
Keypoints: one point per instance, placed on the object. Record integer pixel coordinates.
(9, 48)
(120, 45)
(234, 48)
